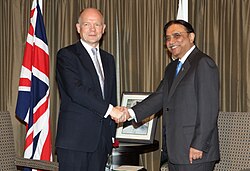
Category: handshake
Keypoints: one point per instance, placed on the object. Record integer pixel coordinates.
(120, 114)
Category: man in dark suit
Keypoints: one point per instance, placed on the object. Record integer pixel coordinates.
(190, 103)
(86, 78)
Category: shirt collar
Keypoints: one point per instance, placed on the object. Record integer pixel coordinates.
(88, 47)
(183, 59)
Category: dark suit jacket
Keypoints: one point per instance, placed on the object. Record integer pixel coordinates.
(190, 105)
(81, 120)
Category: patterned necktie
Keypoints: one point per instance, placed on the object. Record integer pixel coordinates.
(98, 69)
(178, 68)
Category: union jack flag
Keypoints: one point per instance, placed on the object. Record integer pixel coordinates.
(33, 101)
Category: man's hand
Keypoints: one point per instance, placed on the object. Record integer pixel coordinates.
(116, 114)
(125, 114)
(194, 154)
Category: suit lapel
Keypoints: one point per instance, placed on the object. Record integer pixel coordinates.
(179, 77)
(185, 67)
(87, 62)
(171, 75)
(106, 72)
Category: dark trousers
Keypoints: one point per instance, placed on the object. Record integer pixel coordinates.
(209, 166)
(70, 160)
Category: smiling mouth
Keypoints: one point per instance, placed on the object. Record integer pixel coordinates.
(173, 47)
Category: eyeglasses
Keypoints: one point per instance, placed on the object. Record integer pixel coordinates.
(175, 36)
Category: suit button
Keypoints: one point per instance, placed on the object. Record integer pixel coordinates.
(167, 109)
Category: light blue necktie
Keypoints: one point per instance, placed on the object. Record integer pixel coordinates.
(178, 68)
(98, 69)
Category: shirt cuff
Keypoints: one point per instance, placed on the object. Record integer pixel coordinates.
(132, 114)
(108, 111)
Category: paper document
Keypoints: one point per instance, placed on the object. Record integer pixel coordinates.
(128, 168)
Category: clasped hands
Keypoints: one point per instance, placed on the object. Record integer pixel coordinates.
(120, 114)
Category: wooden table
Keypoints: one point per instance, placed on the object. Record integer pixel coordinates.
(129, 153)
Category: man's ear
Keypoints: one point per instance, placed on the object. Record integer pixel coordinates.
(191, 37)
(78, 27)
(103, 29)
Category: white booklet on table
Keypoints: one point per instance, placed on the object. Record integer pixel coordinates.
(128, 168)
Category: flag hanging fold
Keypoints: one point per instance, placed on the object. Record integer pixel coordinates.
(33, 101)
(183, 10)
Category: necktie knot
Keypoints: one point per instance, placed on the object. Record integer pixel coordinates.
(179, 65)
(94, 51)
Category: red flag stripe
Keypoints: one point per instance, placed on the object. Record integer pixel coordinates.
(40, 111)
(41, 65)
(24, 82)
(46, 151)
(28, 140)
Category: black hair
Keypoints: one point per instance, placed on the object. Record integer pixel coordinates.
(188, 27)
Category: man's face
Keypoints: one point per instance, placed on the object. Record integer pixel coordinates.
(178, 41)
(91, 26)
